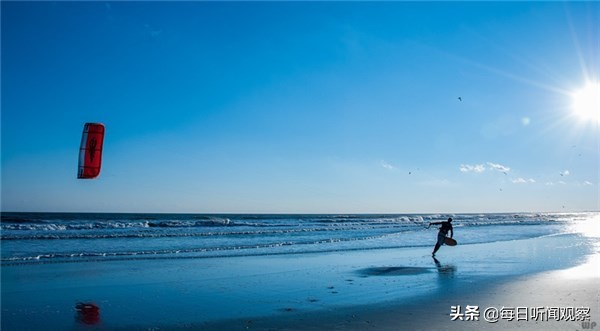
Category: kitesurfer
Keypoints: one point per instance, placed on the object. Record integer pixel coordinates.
(444, 228)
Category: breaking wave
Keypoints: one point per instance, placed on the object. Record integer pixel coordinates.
(73, 237)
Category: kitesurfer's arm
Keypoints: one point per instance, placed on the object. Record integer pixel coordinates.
(451, 231)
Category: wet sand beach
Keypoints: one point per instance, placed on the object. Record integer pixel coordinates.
(380, 289)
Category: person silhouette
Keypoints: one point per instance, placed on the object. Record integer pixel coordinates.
(444, 228)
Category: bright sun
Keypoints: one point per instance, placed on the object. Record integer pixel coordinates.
(586, 102)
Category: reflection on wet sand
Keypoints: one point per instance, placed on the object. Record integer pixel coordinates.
(445, 271)
(393, 271)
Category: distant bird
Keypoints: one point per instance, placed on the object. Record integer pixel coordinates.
(409, 172)
(504, 172)
(459, 99)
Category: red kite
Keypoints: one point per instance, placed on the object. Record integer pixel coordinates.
(90, 152)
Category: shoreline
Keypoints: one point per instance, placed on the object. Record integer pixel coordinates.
(333, 290)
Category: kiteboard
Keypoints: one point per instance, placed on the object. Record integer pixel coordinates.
(449, 241)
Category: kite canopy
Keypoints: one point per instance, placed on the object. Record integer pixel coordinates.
(90, 151)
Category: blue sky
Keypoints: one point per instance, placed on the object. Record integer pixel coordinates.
(300, 107)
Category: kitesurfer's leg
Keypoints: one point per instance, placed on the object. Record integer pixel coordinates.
(438, 244)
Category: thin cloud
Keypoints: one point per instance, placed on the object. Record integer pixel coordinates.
(498, 167)
(152, 31)
(565, 173)
(521, 180)
(587, 183)
(387, 165)
(155, 33)
(472, 168)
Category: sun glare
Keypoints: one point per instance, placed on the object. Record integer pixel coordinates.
(586, 102)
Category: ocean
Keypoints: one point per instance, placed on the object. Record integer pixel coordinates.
(31, 238)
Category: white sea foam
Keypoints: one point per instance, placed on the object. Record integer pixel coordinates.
(78, 237)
